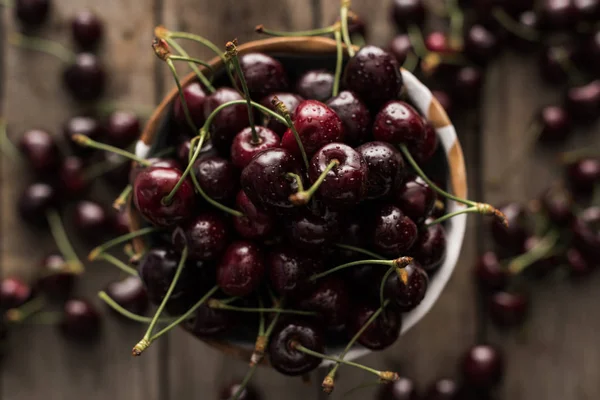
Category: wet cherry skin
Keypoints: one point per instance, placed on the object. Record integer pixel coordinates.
(355, 116)
(380, 334)
(206, 236)
(241, 269)
(392, 232)
(289, 361)
(264, 75)
(243, 148)
(385, 168)
(315, 85)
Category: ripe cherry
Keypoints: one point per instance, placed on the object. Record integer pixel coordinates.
(481, 45)
(556, 14)
(555, 123)
(90, 220)
(120, 222)
(403, 389)
(255, 223)
(183, 151)
(195, 97)
(130, 294)
(229, 121)
(86, 126)
(13, 293)
(437, 42)
(286, 359)
(558, 205)
(430, 248)
(415, 198)
(578, 264)
(374, 75)
(528, 20)
(205, 235)
(289, 271)
(243, 148)
(315, 85)
(398, 122)
(210, 322)
(264, 75)
(400, 46)
(313, 228)
(72, 179)
(586, 10)
(545, 265)
(586, 232)
(122, 128)
(154, 162)
(40, 150)
(583, 102)
(407, 12)
(217, 177)
(31, 13)
(467, 84)
(392, 232)
(35, 201)
(583, 175)
(290, 100)
(443, 389)
(56, 281)
(241, 269)
(483, 367)
(382, 332)
(87, 29)
(489, 273)
(513, 237)
(331, 300)
(355, 117)
(406, 296)
(85, 79)
(508, 309)
(385, 168)
(81, 320)
(551, 63)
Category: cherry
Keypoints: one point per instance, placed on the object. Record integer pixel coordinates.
(229, 121)
(205, 235)
(555, 123)
(591, 54)
(400, 46)
(86, 126)
(315, 85)
(31, 13)
(241, 269)
(583, 102)
(248, 393)
(586, 10)
(40, 150)
(398, 122)
(288, 360)
(415, 198)
(56, 281)
(374, 75)
(556, 14)
(290, 270)
(290, 100)
(443, 389)
(90, 219)
(385, 168)
(407, 12)
(514, 236)
(255, 223)
(578, 264)
(154, 162)
(583, 175)
(13, 293)
(317, 125)
(130, 294)
(403, 389)
(356, 26)
(528, 20)
(264, 74)
(481, 45)
(424, 150)
(85, 78)
(392, 232)
(118, 169)
(217, 177)
(483, 366)
(195, 97)
(120, 222)
(35, 201)
(80, 321)
(382, 332)
(444, 99)
(489, 273)
(243, 149)
(313, 229)
(265, 180)
(543, 266)
(508, 309)
(430, 248)
(87, 29)
(558, 204)
(122, 128)
(209, 322)
(467, 84)
(71, 175)
(183, 151)
(406, 296)
(437, 42)
(586, 232)
(355, 117)
(551, 63)
(150, 188)
(331, 300)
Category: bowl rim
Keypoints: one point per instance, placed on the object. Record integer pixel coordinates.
(427, 105)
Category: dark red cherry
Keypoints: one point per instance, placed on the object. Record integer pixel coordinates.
(72, 179)
(382, 332)
(13, 293)
(406, 296)
(85, 79)
(400, 46)
(481, 45)
(86, 126)
(241, 269)
(35, 201)
(591, 54)
(56, 281)
(556, 14)
(392, 232)
(150, 188)
(545, 265)
(243, 149)
(117, 169)
(355, 117)
(218, 178)
(205, 235)
(154, 162)
(406, 12)
(290, 100)
(586, 10)
(229, 121)
(90, 220)
(443, 389)
(290, 269)
(398, 122)
(40, 150)
(583, 102)
(385, 168)
(317, 125)
(31, 13)
(87, 29)
(489, 273)
(374, 75)
(353, 234)
(264, 75)
(80, 321)
(430, 248)
(331, 300)
(528, 20)
(346, 183)
(444, 99)
(356, 26)
(467, 84)
(183, 151)
(508, 309)
(195, 97)
(209, 322)
(122, 128)
(130, 294)
(558, 205)
(578, 264)
(120, 222)
(551, 64)
(315, 85)
(586, 232)
(437, 42)
(265, 180)
(415, 198)
(583, 175)
(483, 367)
(424, 150)
(313, 229)
(255, 223)
(555, 123)
(248, 393)
(514, 236)
(403, 389)
(286, 359)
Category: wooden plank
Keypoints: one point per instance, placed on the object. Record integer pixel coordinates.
(556, 356)
(39, 361)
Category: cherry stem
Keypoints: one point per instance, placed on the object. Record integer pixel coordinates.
(312, 32)
(514, 27)
(298, 180)
(7, 145)
(483, 208)
(382, 285)
(118, 240)
(416, 40)
(232, 55)
(399, 262)
(45, 46)
(456, 24)
(345, 31)
(122, 199)
(196, 61)
(186, 109)
(328, 382)
(100, 168)
(261, 317)
(284, 112)
(574, 74)
(245, 382)
(540, 250)
(205, 81)
(169, 198)
(44, 318)
(453, 214)
(85, 141)
(302, 197)
(126, 313)
(19, 314)
(359, 250)
(262, 340)
(118, 263)
(214, 303)
(62, 242)
(338, 61)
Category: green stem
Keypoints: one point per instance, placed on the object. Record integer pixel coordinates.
(345, 32)
(299, 347)
(312, 32)
(411, 62)
(298, 140)
(417, 41)
(217, 304)
(453, 214)
(302, 197)
(169, 198)
(45, 46)
(214, 203)
(515, 27)
(26, 310)
(118, 240)
(359, 250)
(338, 62)
(85, 141)
(121, 200)
(540, 251)
(456, 24)
(7, 145)
(195, 61)
(382, 285)
(126, 313)
(118, 263)
(400, 262)
(245, 382)
(62, 242)
(261, 317)
(233, 57)
(258, 106)
(186, 109)
(298, 180)
(205, 81)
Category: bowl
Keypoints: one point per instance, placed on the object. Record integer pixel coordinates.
(299, 54)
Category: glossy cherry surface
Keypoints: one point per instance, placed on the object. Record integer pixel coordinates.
(290, 100)
(313, 228)
(241, 269)
(286, 359)
(583, 175)
(556, 14)
(255, 223)
(467, 84)
(583, 102)
(558, 205)
(331, 300)
(87, 29)
(208, 322)
(407, 296)
(35, 201)
(229, 121)
(437, 42)
(392, 232)
(55, 281)
(555, 123)
(483, 366)
(355, 116)
(508, 309)
(586, 232)
(407, 12)
(264, 75)
(40, 151)
(400, 46)
(183, 151)
(195, 96)
(122, 128)
(430, 248)
(130, 294)
(398, 122)
(83, 125)
(415, 198)
(206, 236)
(13, 293)
(578, 264)
(290, 269)
(514, 236)
(443, 389)
(403, 389)
(385, 168)
(81, 320)
(85, 79)
(155, 162)
(315, 85)
(382, 332)
(90, 219)
(489, 273)
(481, 45)
(218, 177)
(551, 64)
(243, 148)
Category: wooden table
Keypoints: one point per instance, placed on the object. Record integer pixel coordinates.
(556, 357)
